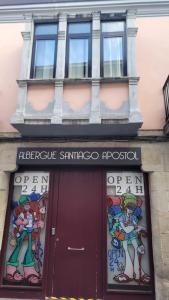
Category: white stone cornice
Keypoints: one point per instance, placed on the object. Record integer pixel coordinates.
(22, 83)
(132, 31)
(96, 15)
(81, 14)
(135, 116)
(95, 82)
(133, 80)
(58, 83)
(23, 13)
(96, 34)
(61, 35)
(26, 35)
(17, 118)
(44, 16)
(62, 17)
(71, 15)
(131, 13)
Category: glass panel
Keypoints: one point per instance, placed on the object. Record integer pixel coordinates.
(41, 29)
(26, 238)
(127, 238)
(79, 28)
(112, 26)
(44, 59)
(78, 58)
(113, 57)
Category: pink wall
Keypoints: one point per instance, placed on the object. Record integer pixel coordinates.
(10, 55)
(77, 96)
(113, 95)
(39, 96)
(153, 68)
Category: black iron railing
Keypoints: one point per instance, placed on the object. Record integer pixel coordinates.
(166, 98)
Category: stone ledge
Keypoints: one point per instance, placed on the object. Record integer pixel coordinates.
(44, 129)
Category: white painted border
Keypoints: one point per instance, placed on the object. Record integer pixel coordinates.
(23, 13)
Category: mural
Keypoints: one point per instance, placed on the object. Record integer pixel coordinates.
(127, 244)
(25, 249)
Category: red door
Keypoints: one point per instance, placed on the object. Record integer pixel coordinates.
(77, 242)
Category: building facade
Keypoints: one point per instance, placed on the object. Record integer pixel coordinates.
(84, 152)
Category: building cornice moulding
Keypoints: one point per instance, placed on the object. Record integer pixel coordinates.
(25, 13)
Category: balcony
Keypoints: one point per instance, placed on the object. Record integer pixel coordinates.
(83, 107)
(60, 108)
(166, 103)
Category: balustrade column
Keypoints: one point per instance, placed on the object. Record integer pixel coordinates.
(60, 70)
(134, 112)
(95, 97)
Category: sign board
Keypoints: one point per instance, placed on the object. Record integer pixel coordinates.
(37, 182)
(79, 156)
(126, 182)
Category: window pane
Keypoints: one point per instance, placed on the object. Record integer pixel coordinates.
(127, 237)
(113, 57)
(78, 58)
(79, 28)
(47, 29)
(44, 59)
(26, 237)
(112, 26)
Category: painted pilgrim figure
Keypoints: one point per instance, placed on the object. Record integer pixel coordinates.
(28, 219)
(127, 233)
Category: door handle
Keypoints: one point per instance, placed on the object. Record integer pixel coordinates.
(53, 230)
(75, 249)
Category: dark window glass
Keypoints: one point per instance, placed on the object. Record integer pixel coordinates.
(44, 59)
(113, 49)
(45, 29)
(78, 50)
(79, 28)
(44, 51)
(113, 57)
(112, 26)
(78, 58)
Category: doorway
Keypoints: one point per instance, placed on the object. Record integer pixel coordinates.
(76, 256)
(74, 261)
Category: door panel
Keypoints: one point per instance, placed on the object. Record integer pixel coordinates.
(77, 261)
(77, 265)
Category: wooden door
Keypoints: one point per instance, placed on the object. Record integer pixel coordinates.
(77, 242)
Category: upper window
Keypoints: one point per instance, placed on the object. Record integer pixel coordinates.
(44, 51)
(79, 50)
(113, 49)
